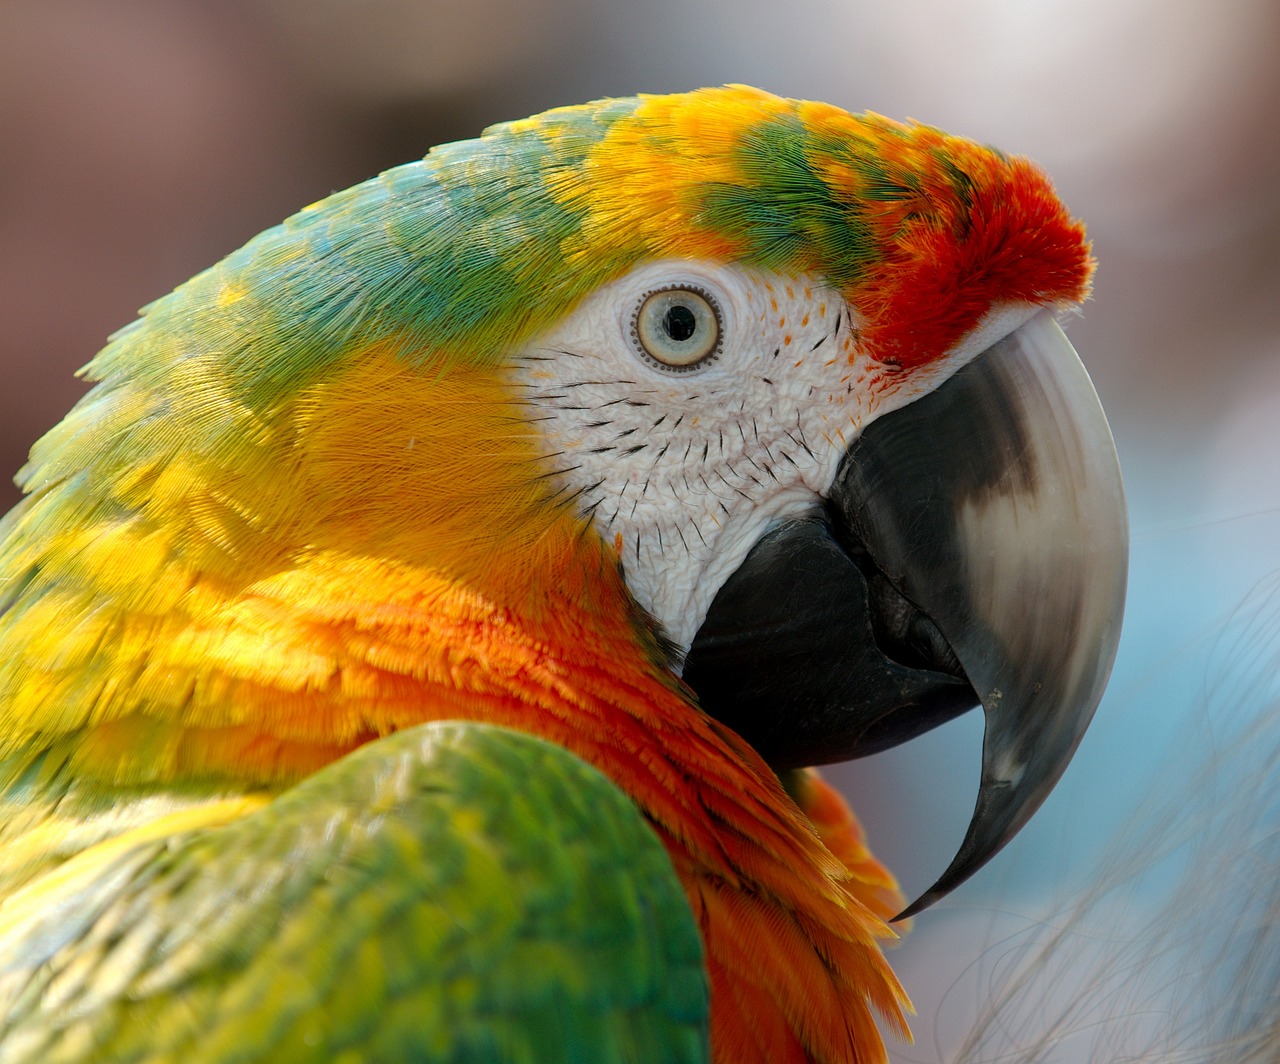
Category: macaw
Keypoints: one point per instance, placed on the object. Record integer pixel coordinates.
(416, 643)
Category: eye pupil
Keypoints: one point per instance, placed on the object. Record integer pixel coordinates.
(680, 323)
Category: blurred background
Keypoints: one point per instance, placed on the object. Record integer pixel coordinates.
(142, 140)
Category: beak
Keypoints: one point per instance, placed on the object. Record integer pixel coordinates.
(973, 549)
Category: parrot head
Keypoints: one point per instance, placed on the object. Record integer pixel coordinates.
(746, 414)
(851, 468)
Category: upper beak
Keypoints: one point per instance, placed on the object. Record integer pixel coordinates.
(973, 548)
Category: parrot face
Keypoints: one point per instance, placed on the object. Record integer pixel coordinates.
(684, 457)
(685, 450)
(704, 438)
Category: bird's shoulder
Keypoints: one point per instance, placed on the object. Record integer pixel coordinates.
(451, 892)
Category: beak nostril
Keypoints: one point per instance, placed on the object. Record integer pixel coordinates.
(902, 631)
(905, 634)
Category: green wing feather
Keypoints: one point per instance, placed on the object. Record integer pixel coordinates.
(453, 892)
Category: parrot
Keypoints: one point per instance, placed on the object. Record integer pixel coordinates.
(419, 641)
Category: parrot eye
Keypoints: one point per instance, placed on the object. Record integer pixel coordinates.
(677, 328)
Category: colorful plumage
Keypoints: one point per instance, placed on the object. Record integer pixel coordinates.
(404, 460)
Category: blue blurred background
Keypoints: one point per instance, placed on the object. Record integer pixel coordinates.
(143, 139)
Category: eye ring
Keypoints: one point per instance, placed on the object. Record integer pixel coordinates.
(677, 328)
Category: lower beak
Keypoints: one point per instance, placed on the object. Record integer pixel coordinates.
(972, 549)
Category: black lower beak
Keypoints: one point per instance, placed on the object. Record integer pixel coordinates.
(972, 549)
(808, 653)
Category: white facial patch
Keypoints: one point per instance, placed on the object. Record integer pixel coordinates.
(680, 462)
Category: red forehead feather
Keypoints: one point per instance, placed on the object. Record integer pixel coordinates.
(1001, 236)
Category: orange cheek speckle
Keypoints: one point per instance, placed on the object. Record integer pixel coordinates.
(786, 340)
